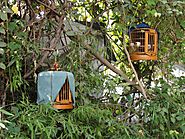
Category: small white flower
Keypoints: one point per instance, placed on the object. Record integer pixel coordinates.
(42, 13)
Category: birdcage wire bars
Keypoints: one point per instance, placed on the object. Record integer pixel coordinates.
(143, 44)
(64, 98)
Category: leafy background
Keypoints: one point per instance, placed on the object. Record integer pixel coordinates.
(102, 111)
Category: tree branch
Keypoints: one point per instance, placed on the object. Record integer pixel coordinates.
(135, 73)
(108, 64)
(52, 44)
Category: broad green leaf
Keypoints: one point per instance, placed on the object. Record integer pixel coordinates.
(14, 46)
(151, 12)
(2, 44)
(22, 35)
(2, 30)
(180, 117)
(151, 2)
(12, 26)
(1, 51)
(13, 128)
(2, 66)
(3, 16)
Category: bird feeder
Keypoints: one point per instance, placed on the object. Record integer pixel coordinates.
(143, 43)
(57, 88)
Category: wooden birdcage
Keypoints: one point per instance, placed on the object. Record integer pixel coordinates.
(64, 98)
(56, 88)
(143, 44)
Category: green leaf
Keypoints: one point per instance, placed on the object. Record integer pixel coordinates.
(115, 97)
(12, 26)
(161, 127)
(1, 51)
(2, 30)
(179, 33)
(3, 16)
(71, 33)
(2, 66)
(151, 2)
(165, 110)
(22, 35)
(2, 126)
(151, 12)
(2, 44)
(129, 97)
(173, 119)
(14, 46)
(7, 10)
(5, 112)
(11, 62)
(180, 117)
(182, 23)
(164, 1)
(13, 128)
(183, 129)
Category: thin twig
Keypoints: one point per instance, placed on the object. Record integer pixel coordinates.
(135, 73)
(52, 49)
(49, 7)
(53, 44)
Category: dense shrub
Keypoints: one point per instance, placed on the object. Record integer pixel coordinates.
(43, 121)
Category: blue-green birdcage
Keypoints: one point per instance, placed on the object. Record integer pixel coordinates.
(57, 88)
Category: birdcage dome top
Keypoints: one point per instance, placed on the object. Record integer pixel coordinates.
(142, 25)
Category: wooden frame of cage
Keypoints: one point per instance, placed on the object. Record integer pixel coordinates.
(147, 37)
(64, 98)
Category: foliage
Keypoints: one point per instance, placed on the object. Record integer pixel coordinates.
(27, 32)
(43, 121)
(165, 113)
(3, 122)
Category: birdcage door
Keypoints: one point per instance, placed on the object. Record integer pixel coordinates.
(64, 98)
(143, 45)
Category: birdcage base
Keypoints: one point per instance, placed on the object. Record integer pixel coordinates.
(143, 57)
(63, 106)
